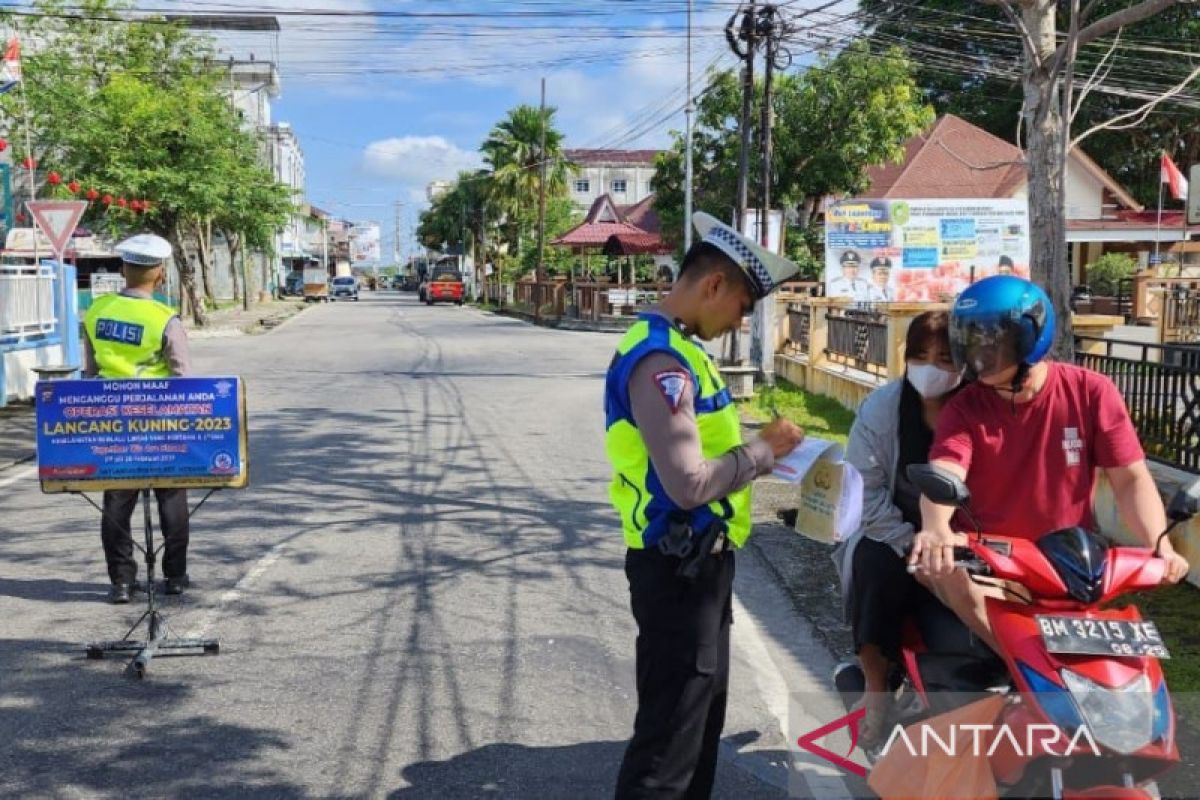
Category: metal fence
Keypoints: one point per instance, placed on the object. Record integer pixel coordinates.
(1181, 315)
(27, 307)
(858, 338)
(1161, 388)
(800, 326)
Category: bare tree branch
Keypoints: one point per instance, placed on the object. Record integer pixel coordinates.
(1095, 79)
(1030, 46)
(1119, 19)
(1088, 9)
(1132, 118)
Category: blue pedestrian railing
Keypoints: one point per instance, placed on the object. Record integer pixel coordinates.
(38, 310)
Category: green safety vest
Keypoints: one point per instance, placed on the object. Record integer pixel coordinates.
(635, 490)
(126, 336)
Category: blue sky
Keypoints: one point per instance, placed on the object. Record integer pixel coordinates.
(384, 104)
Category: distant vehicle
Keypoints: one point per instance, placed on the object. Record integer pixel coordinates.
(442, 285)
(293, 284)
(344, 287)
(316, 284)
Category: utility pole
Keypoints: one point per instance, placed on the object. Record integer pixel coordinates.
(541, 255)
(762, 324)
(742, 39)
(688, 110)
(744, 43)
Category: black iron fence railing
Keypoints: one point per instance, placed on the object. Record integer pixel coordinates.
(1181, 315)
(800, 326)
(857, 338)
(1161, 387)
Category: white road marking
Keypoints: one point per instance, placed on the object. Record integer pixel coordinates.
(767, 676)
(20, 476)
(231, 596)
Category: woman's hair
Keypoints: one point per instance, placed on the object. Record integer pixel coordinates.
(929, 330)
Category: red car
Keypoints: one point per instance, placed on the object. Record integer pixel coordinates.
(442, 286)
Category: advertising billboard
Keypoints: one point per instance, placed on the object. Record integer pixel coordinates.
(364, 243)
(879, 251)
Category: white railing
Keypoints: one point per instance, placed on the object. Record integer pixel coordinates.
(27, 307)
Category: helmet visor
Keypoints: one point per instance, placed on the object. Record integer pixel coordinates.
(984, 345)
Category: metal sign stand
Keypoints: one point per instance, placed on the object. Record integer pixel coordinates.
(158, 643)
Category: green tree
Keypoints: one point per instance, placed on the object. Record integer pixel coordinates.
(832, 122)
(513, 153)
(142, 116)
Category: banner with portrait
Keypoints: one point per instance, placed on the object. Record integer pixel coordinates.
(879, 251)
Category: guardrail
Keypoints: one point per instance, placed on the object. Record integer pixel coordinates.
(1181, 315)
(1161, 388)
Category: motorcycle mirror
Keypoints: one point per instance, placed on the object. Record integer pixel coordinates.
(1185, 504)
(938, 485)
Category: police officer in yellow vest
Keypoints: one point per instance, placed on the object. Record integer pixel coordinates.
(681, 484)
(132, 335)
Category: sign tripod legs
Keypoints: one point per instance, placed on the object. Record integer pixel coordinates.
(158, 642)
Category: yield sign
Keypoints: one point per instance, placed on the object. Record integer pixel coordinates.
(57, 219)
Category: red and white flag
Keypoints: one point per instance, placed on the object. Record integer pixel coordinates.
(1174, 178)
(10, 70)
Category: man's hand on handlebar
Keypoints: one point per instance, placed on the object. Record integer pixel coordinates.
(933, 551)
(1177, 565)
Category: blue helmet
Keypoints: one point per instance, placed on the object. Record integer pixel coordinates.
(1000, 322)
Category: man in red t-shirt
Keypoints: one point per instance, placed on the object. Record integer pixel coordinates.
(1027, 437)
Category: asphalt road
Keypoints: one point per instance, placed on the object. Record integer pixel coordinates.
(420, 595)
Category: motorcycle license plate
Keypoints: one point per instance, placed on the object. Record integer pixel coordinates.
(1101, 637)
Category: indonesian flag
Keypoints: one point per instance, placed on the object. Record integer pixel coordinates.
(1174, 178)
(10, 72)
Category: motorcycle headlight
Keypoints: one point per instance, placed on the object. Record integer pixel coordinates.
(1120, 719)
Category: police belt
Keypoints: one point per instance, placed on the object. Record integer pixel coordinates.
(691, 548)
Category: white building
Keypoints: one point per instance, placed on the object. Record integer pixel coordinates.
(624, 175)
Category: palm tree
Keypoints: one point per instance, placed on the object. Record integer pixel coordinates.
(513, 153)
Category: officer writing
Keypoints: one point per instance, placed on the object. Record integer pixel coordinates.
(681, 485)
(132, 335)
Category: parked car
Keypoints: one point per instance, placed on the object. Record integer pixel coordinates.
(442, 285)
(344, 287)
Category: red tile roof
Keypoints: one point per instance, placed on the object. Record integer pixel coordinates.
(606, 219)
(952, 159)
(588, 156)
(957, 159)
(595, 234)
(636, 244)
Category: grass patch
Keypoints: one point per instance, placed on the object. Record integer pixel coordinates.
(819, 415)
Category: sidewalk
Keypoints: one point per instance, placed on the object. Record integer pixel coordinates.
(234, 321)
(16, 434)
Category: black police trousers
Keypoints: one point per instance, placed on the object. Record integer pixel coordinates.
(682, 675)
(117, 537)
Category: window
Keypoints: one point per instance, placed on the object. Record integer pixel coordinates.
(583, 186)
(618, 186)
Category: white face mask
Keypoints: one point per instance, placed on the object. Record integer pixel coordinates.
(931, 381)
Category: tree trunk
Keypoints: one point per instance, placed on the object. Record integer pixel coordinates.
(1044, 155)
(231, 240)
(187, 276)
(202, 253)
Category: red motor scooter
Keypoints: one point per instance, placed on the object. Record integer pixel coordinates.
(1087, 711)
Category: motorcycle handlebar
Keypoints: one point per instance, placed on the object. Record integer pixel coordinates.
(964, 558)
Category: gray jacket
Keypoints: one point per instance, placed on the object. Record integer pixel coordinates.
(874, 449)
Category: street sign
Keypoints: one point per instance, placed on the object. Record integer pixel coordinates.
(1193, 197)
(58, 220)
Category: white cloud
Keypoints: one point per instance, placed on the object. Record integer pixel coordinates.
(414, 161)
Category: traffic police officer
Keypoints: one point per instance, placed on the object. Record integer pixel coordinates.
(680, 484)
(848, 284)
(132, 335)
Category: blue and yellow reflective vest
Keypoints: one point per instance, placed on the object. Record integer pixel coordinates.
(635, 490)
(126, 336)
